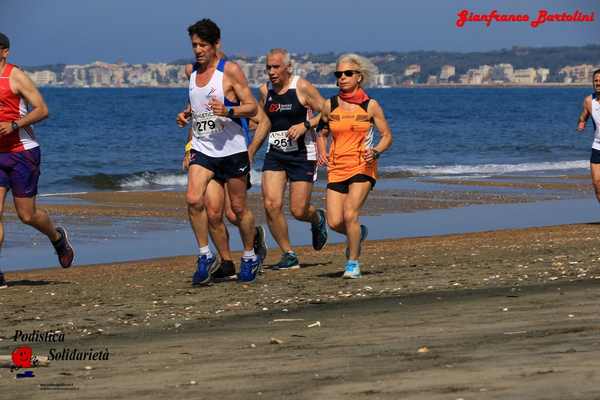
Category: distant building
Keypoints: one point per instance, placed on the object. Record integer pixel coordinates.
(42, 78)
(447, 72)
(524, 76)
(578, 73)
(432, 80)
(412, 70)
(384, 80)
(502, 73)
(542, 74)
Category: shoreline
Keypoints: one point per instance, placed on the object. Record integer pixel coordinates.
(533, 293)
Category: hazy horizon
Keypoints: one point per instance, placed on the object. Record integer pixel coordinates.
(140, 32)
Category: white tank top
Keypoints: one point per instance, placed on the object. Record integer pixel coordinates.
(212, 135)
(596, 119)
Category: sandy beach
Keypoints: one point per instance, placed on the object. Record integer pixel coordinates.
(491, 315)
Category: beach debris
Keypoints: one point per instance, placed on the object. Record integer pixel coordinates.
(423, 349)
(314, 324)
(571, 316)
(252, 345)
(193, 382)
(88, 368)
(288, 319)
(177, 325)
(219, 311)
(276, 341)
(265, 309)
(504, 308)
(515, 333)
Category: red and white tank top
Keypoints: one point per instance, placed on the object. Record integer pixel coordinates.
(12, 108)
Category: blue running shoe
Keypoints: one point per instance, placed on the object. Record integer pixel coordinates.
(289, 260)
(352, 270)
(319, 231)
(260, 244)
(206, 269)
(249, 269)
(364, 232)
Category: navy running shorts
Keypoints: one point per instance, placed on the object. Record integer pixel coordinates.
(595, 158)
(344, 186)
(224, 168)
(20, 171)
(295, 169)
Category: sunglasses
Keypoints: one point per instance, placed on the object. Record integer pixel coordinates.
(348, 73)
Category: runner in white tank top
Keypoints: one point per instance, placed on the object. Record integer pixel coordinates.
(219, 98)
(591, 107)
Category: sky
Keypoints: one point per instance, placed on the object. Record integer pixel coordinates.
(142, 31)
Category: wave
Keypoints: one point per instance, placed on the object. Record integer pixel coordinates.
(142, 180)
(487, 169)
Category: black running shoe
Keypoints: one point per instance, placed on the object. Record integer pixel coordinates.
(63, 248)
(225, 271)
(3, 284)
(319, 231)
(260, 244)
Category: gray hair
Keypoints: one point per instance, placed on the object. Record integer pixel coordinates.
(367, 69)
(283, 52)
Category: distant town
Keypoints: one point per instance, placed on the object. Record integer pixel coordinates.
(395, 70)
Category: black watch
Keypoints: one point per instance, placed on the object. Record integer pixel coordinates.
(14, 126)
(230, 112)
(376, 154)
(307, 125)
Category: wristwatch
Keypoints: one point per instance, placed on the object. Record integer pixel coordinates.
(307, 125)
(376, 154)
(14, 126)
(230, 112)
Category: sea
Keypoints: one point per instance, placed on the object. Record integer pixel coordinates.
(127, 139)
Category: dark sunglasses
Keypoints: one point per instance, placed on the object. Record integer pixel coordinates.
(348, 73)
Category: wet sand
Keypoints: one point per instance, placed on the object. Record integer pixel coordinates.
(502, 315)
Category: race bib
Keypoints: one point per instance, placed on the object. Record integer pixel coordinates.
(280, 141)
(206, 123)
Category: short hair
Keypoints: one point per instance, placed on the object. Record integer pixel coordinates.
(367, 69)
(595, 72)
(283, 52)
(206, 30)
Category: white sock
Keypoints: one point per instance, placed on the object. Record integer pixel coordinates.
(205, 251)
(249, 255)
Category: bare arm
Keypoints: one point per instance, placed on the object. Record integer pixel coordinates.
(24, 87)
(247, 107)
(322, 133)
(585, 114)
(183, 118)
(385, 141)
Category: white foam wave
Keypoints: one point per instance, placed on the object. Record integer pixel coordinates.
(153, 179)
(488, 168)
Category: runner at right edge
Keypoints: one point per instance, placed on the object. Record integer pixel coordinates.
(591, 107)
(350, 117)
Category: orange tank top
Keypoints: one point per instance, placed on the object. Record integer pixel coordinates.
(352, 133)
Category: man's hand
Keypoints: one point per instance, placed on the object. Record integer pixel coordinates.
(183, 118)
(369, 155)
(322, 160)
(296, 131)
(5, 128)
(218, 108)
(580, 126)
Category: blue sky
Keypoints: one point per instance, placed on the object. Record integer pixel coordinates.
(82, 31)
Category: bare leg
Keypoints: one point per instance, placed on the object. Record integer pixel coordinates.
(198, 178)
(3, 192)
(214, 199)
(300, 207)
(237, 188)
(595, 168)
(30, 215)
(273, 188)
(357, 195)
(335, 211)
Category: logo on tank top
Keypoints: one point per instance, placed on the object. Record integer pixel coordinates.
(211, 93)
(276, 107)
